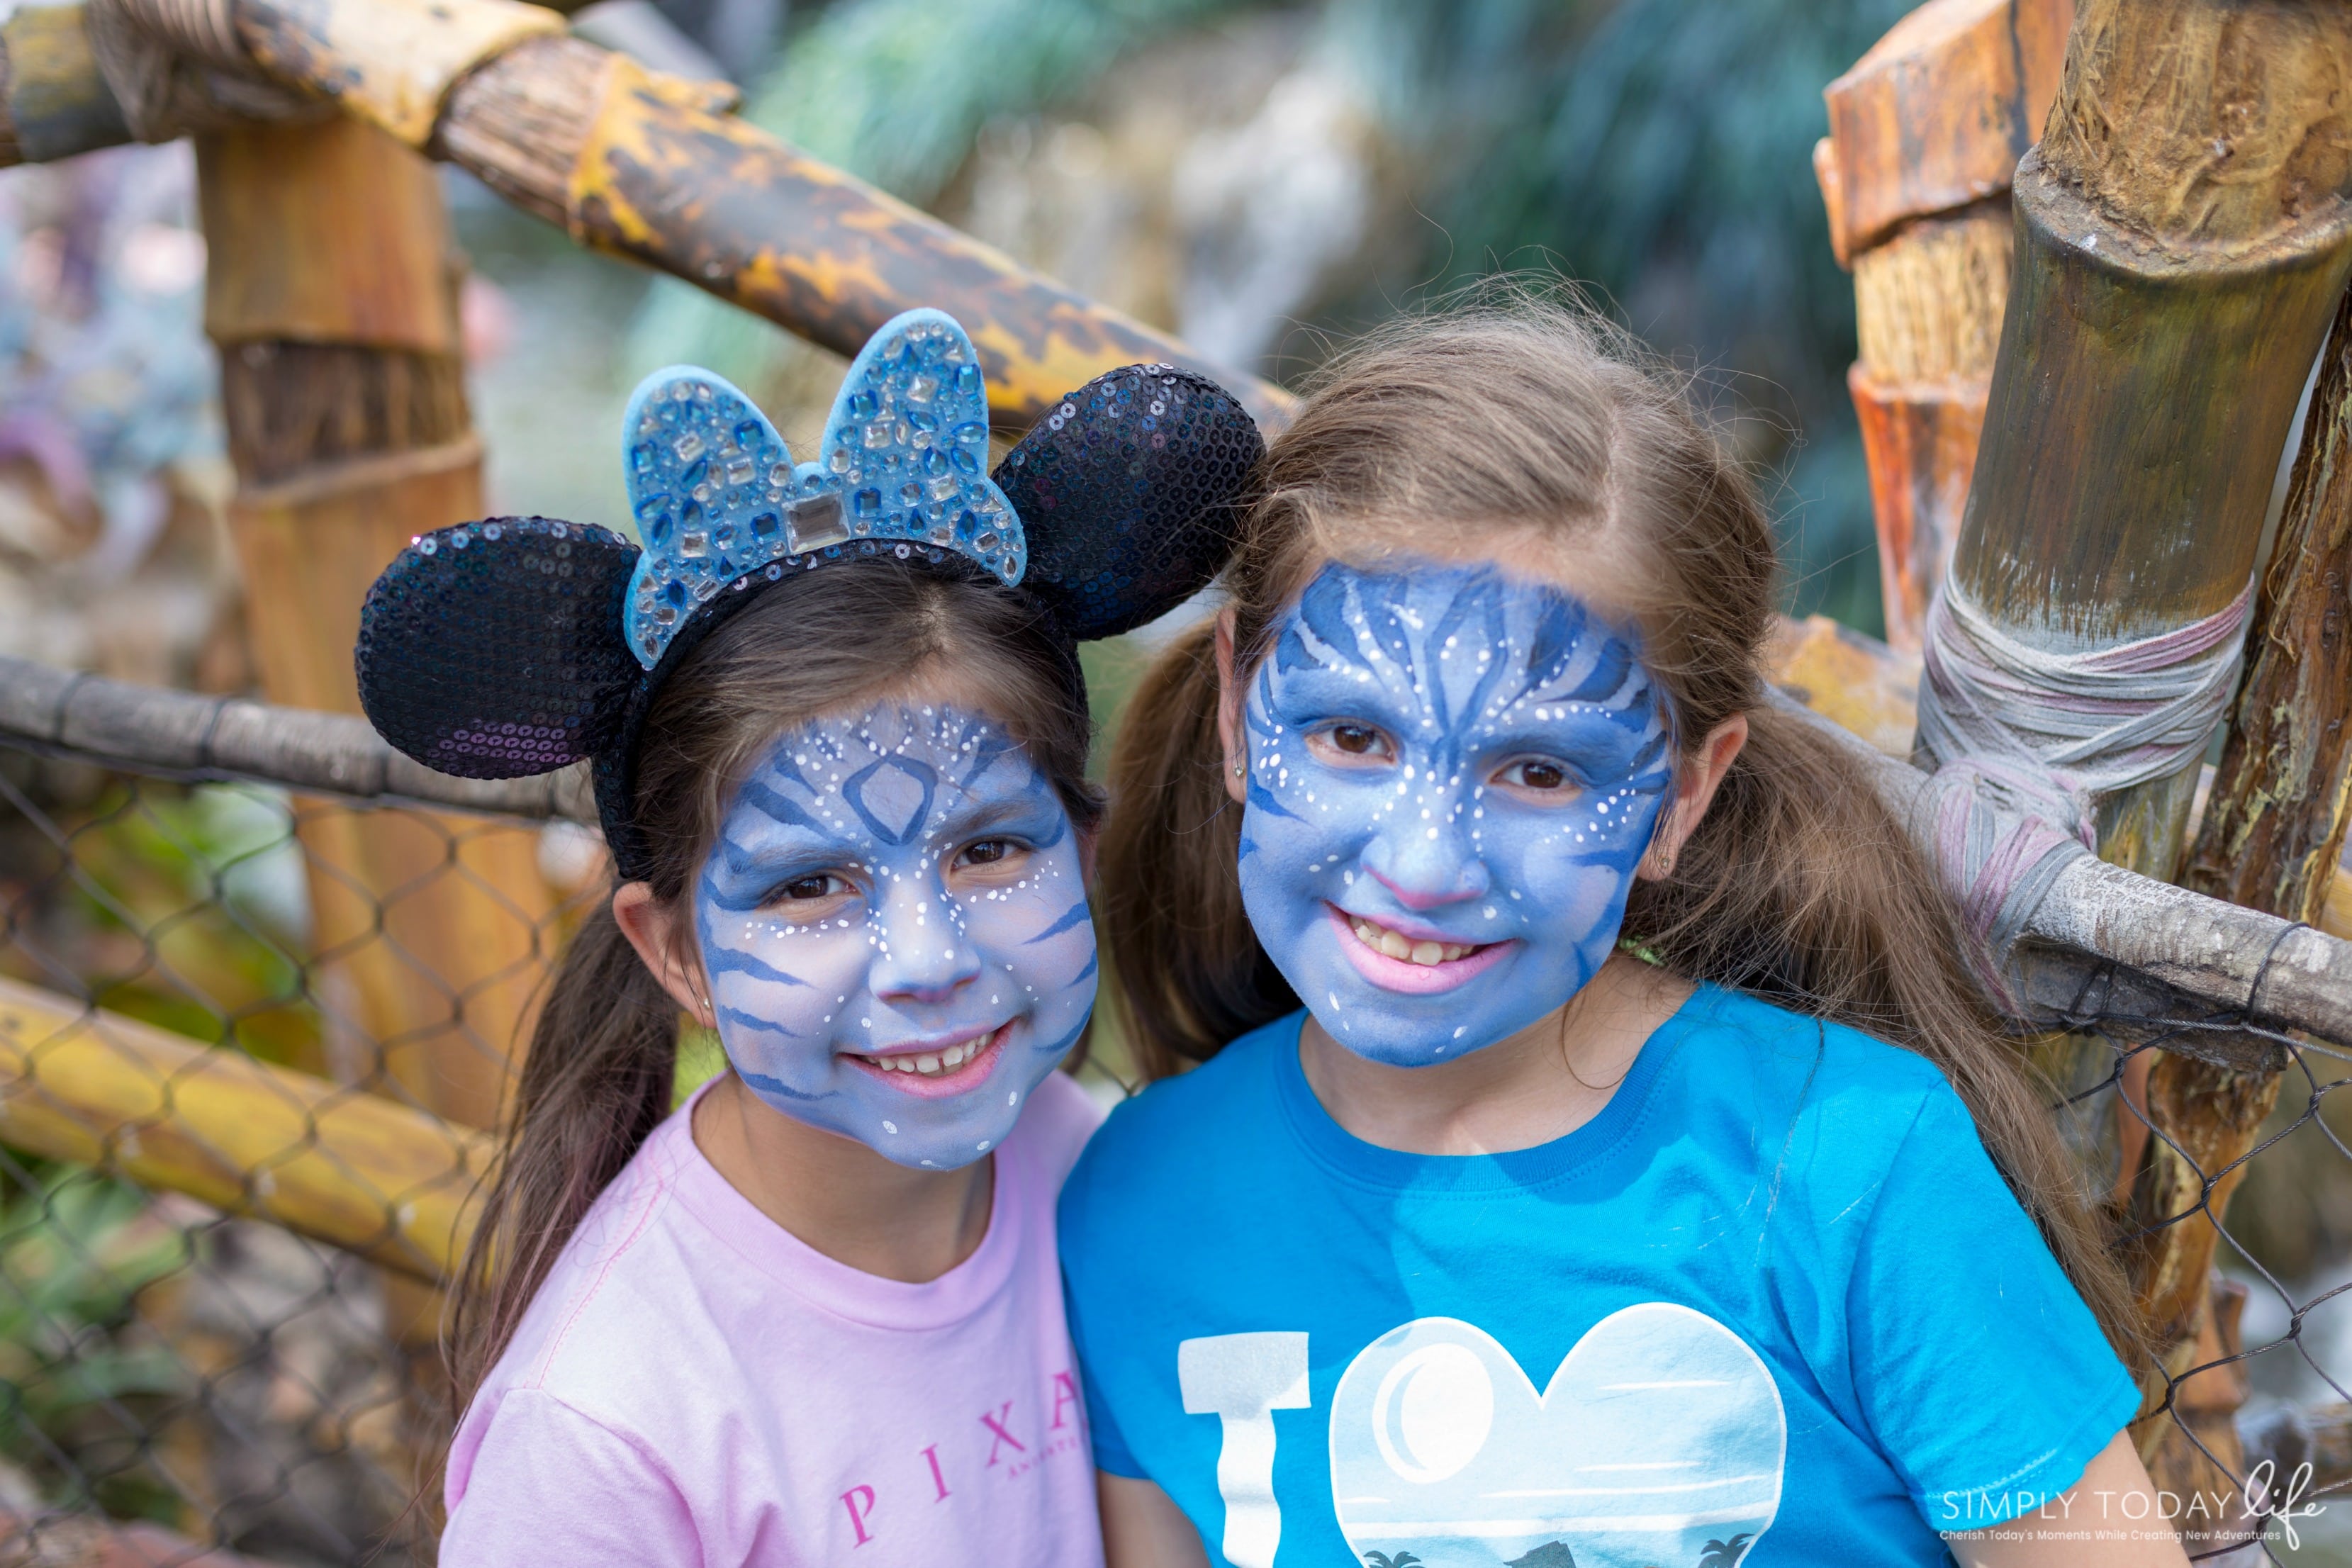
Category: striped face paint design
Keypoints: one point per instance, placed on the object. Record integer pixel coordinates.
(894, 927)
(1453, 775)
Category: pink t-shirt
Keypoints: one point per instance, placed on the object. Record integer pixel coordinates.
(694, 1385)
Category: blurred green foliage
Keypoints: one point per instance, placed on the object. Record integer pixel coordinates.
(82, 1382)
(183, 907)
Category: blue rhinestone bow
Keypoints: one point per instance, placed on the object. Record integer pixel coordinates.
(903, 468)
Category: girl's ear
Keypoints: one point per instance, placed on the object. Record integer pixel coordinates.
(654, 929)
(1228, 711)
(1696, 782)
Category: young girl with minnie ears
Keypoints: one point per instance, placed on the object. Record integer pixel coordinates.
(1643, 1182)
(839, 739)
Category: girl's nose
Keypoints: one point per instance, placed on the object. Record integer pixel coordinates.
(1425, 866)
(924, 956)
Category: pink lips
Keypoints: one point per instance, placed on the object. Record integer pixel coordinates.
(1411, 979)
(963, 1080)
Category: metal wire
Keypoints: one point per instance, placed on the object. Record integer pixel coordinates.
(176, 1383)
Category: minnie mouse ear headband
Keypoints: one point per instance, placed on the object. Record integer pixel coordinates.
(516, 646)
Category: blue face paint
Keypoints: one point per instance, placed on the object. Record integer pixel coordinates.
(1453, 775)
(895, 926)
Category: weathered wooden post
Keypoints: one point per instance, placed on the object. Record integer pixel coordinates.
(2180, 246)
(1925, 132)
(332, 297)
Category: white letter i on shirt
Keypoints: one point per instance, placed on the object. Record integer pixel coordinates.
(1242, 1379)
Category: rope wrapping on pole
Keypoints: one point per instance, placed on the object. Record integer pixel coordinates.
(2023, 742)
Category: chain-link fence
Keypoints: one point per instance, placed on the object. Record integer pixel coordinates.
(297, 1008)
(173, 1379)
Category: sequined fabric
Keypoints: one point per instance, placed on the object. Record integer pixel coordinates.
(1130, 489)
(492, 651)
(717, 495)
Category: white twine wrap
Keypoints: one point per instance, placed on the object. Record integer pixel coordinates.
(2026, 741)
(178, 66)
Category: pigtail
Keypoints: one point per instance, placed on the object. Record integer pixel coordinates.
(604, 1057)
(1189, 973)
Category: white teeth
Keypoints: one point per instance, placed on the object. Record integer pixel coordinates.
(1382, 939)
(928, 1064)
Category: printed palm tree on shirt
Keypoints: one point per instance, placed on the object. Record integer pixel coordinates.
(1724, 1553)
(1383, 1560)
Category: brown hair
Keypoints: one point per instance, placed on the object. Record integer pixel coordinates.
(1798, 885)
(604, 1053)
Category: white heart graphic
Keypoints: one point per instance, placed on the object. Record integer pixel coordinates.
(1660, 1440)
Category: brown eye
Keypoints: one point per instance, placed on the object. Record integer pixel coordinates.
(804, 887)
(1540, 776)
(1355, 739)
(987, 852)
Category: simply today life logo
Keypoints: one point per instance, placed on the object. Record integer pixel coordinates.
(2204, 1518)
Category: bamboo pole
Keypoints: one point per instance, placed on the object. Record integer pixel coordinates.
(343, 1167)
(2273, 827)
(1925, 132)
(331, 298)
(2182, 242)
(652, 168)
(2273, 833)
(146, 729)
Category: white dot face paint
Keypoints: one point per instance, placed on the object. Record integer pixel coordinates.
(866, 875)
(1490, 755)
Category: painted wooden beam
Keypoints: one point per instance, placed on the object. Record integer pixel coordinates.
(342, 1166)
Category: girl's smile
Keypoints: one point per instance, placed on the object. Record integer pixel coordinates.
(933, 1069)
(1394, 957)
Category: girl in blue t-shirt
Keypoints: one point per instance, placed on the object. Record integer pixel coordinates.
(1643, 1182)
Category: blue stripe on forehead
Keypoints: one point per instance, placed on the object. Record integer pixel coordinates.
(1486, 607)
(989, 748)
(1324, 608)
(756, 794)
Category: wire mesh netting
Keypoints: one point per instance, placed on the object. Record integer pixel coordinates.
(173, 1378)
(179, 1385)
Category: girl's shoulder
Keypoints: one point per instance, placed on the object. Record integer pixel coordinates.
(1743, 1044)
(1839, 1109)
(1053, 1128)
(1200, 1116)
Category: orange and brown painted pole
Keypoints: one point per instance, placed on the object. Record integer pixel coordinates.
(1925, 132)
(639, 165)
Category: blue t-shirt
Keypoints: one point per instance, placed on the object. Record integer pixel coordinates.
(1772, 1305)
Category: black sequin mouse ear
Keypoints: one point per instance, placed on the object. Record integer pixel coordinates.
(1131, 492)
(494, 650)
